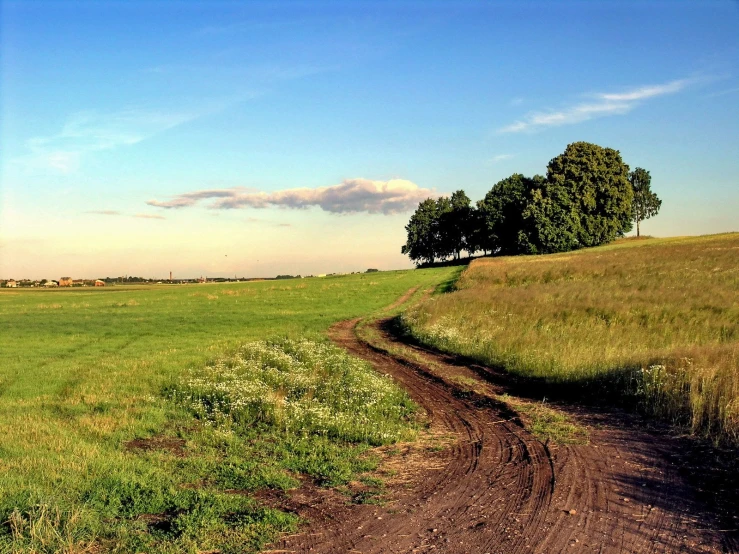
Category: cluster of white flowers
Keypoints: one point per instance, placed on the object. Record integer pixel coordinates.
(444, 333)
(298, 386)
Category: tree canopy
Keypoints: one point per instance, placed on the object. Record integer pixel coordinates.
(596, 191)
(502, 215)
(587, 198)
(422, 244)
(646, 204)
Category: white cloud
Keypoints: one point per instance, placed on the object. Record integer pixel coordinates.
(86, 132)
(350, 196)
(648, 91)
(605, 104)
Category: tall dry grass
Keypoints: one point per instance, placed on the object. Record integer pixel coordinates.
(652, 321)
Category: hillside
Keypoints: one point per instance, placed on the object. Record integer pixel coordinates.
(652, 323)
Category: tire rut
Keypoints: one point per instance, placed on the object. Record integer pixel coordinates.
(500, 490)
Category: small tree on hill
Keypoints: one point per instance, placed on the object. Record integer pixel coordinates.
(646, 203)
(501, 214)
(456, 225)
(422, 229)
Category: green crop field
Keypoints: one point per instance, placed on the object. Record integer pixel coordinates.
(141, 418)
(651, 322)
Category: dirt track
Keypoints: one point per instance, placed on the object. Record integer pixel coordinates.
(498, 489)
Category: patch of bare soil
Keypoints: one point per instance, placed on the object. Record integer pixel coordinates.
(497, 489)
(169, 444)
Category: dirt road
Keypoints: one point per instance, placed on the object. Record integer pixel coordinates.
(497, 489)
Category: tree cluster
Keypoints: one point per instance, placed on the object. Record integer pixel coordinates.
(587, 198)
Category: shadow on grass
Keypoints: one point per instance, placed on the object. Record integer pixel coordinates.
(450, 285)
(604, 389)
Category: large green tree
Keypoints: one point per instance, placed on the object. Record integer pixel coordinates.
(444, 241)
(551, 218)
(501, 214)
(456, 226)
(586, 199)
(646, 203)
(596, 183)
(422, 241)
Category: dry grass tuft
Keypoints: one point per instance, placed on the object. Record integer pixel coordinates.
(654, 320)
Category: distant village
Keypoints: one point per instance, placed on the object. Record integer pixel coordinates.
(127, 280)
(110, 281)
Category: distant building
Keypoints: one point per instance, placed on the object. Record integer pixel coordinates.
(11, 284)
(99, 283)
(65, 282)
(51, 284)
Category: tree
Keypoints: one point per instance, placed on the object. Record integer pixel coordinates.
(422, 230)
(480, 238)
(501, 214)
(455, 225)
(594, 182)
(444, 239)
(646, 203)
(551, 219)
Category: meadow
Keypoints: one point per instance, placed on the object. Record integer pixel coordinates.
(651, 324)
(144, 418)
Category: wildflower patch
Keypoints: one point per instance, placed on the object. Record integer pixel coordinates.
(299, 387)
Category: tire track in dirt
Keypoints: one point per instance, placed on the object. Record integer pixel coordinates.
(498, 489)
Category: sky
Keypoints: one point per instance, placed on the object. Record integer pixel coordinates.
(262, 138)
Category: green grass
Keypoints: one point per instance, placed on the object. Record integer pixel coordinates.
(547, 423)
(650, 322)
(85, 371)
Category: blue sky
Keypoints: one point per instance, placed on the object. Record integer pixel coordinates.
(223, 138)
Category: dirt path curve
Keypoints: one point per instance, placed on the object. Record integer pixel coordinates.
(499, 490)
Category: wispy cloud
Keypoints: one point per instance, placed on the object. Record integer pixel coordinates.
(247, 26)
(104, 212)
(149, 216)
(602, 105)
(90, 131)
(350, 196)
(649, 91)
(723, 92)
(499, 158)
(117, 213)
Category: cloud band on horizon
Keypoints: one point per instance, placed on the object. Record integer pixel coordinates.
(350, 196)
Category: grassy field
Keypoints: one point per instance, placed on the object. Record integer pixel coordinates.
(141, 418)
(650, 322)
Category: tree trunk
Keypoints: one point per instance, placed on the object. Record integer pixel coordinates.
(637, 228)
